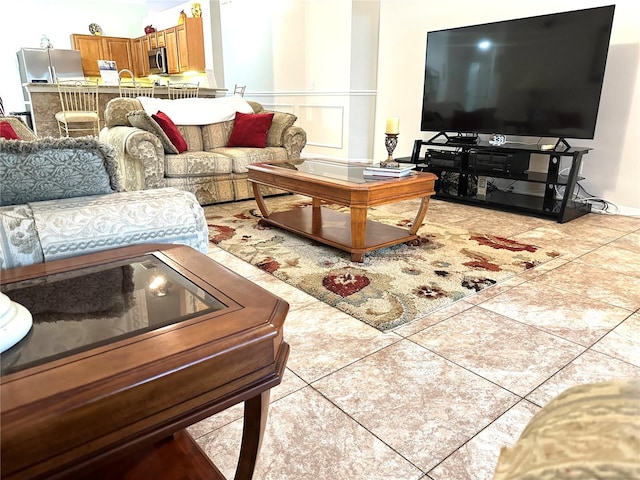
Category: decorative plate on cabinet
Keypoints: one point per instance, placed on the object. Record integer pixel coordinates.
(95, 29)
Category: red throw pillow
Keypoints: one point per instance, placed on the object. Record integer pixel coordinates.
(7, 132)
(250, 130)
(171, 131)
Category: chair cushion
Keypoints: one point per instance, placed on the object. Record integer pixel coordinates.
(76, 117)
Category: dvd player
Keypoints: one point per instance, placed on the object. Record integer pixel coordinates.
(501, 162)
(444, 158)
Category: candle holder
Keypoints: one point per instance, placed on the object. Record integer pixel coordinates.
(390, 141)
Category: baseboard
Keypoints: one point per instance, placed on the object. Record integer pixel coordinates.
(620, 210)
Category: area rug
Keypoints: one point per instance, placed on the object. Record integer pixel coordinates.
(394, 285)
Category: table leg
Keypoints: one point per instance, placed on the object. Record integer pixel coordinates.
(255, 421)
(259, 200)
(422, 211)
(358, 232)
(316, 216)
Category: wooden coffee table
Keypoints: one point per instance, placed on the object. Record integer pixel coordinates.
(343, 184)
(116, 406)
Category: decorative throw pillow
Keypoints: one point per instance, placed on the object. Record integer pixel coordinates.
(250, 130)
(281, 122)
(7, 132)
(171, 131)
(140, 119)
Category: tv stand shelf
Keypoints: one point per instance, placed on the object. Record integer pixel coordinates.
(465, 170)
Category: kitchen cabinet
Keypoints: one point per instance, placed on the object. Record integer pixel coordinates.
(171, 44)
(91, 50)
(190, 40)
(184, 44)
(119, 50)
(160, 39)
(139, 56)
(94, 47)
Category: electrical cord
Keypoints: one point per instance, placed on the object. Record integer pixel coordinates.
(598, 205)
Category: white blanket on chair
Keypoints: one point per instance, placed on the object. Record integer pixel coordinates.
(197, 111)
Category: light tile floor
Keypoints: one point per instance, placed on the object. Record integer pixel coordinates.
(438, 397)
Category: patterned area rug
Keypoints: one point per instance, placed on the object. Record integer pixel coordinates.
(394, 285)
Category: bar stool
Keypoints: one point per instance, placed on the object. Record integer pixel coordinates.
(79, 101)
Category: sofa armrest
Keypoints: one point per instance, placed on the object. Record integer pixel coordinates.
(83, 225)
(23, 132)
(140, 156)
(294, 140)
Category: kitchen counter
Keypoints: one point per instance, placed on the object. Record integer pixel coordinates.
(45, 103)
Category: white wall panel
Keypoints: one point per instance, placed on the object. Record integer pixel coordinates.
(324, 125)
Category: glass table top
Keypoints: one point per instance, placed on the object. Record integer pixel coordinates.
(88, 307)
(353, 171)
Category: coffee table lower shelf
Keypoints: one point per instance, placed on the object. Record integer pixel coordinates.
(177, 457)
(334, 228)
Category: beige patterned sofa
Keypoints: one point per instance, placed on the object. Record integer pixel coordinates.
(209, 169)
(587, 432)
(63, 197)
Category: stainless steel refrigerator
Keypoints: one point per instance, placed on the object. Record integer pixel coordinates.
(44, 65)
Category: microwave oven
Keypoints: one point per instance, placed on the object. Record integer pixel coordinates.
(158, 61)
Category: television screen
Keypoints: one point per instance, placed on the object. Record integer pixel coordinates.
(536, 76)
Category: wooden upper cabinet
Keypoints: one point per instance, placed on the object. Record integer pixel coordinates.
(119, 50)
(91, 51)
(139, 56)
(173, 64)
(184, 44)
(190, 40)
(93, 48)
(160, 39)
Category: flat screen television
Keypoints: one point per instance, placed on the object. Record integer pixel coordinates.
(538, 76)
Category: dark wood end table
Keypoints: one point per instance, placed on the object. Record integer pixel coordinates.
(117, 407)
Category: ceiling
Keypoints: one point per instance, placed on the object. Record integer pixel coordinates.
(160, 5)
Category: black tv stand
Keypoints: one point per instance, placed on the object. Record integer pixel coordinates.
(471, 174)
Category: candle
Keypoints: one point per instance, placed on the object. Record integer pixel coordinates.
(393, 125)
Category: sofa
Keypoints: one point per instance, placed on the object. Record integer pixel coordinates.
(64, 197)
(209, 168)
(588, 431)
